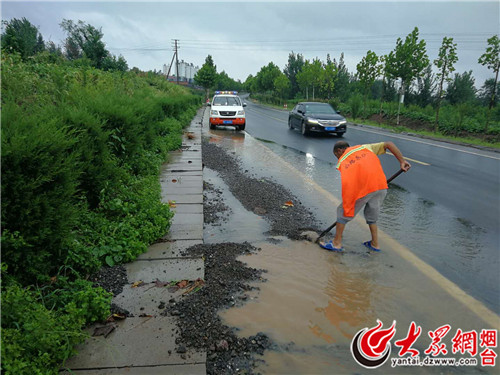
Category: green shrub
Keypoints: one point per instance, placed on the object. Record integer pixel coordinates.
(356, 105)
(81, 152)
(119, 230)
(39, 185)
(39, 331)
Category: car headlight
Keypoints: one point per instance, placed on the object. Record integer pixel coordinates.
(312, 121)
(213, 112)
(241, 113)
(342, 122)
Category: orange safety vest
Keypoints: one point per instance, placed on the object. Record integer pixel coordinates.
(361, 174)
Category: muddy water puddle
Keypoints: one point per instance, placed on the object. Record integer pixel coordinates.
(315, 301)
(459, 250)
(236, 224)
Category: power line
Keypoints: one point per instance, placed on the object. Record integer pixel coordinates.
(195, 43)
(465, 42)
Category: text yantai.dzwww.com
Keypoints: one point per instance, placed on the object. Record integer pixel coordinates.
(429, 361)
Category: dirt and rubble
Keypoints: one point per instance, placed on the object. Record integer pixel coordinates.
(111, 279)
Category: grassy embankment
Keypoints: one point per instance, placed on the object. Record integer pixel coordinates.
(81, 152)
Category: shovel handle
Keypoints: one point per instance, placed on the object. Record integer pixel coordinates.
(326, 231)
(395, 175)
(335, 223)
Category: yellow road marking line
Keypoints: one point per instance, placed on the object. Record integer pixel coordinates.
(413, 160)
(476, 306)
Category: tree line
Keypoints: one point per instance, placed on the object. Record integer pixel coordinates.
(405, 75)
(83, 44)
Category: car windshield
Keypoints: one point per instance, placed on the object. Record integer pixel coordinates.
(227, 101)
(320, 108)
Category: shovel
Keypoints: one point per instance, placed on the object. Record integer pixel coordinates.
(335, 223)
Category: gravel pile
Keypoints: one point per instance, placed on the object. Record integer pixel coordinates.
(111, 279)
(262, 196)
(214, 208)
(226, 283)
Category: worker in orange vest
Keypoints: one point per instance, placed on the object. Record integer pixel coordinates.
(363, 185)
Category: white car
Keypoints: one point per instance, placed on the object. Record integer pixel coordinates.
(227, 109)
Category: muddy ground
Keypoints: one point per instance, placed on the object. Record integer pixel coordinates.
(227, 280)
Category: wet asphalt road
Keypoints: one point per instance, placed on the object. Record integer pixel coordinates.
(447, 209)
(465, 180)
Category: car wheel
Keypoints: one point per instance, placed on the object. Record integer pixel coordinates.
(340, 135)
(242, 127)
(212, 126)
(304, 129)
(290, 124)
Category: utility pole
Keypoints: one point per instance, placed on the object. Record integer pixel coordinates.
(175, 55)
(170, 66)
(176, 60)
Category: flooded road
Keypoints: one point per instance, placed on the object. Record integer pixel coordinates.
(433, 269)
(318, 301)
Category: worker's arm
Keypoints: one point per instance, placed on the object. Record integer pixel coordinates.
(395, 151)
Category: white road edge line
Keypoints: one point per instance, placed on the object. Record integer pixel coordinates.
(430, 144)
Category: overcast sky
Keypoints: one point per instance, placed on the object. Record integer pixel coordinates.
(244, 36)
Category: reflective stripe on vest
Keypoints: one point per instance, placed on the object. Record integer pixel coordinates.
(347, 154)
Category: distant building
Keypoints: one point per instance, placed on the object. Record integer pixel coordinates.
(187, 71)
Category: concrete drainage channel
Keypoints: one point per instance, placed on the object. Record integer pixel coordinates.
(146, 342)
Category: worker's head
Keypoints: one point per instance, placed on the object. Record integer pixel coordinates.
(340, 148)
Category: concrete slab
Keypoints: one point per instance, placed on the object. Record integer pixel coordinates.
(191, 148)
(184, 167)
(191, 369)
(182, 208)
(182, 157)
(173, 181)
(169, 249)
(145, 299)
(166, 168)
(176, 190)
(187, 162)
(180, 179)
(185, 232)
(135, 342)
(180, 182)
(187, 219)
(180, 172)
(149, 271)
(179, 198)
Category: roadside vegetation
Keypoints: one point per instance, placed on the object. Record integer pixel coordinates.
(83, 139)
(403, 90)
